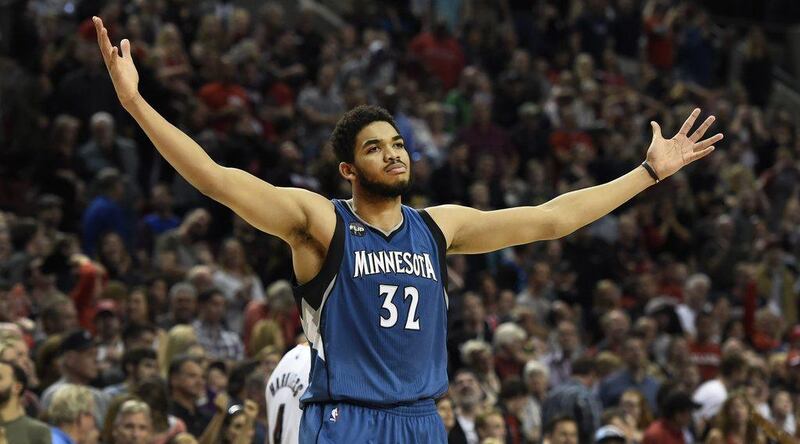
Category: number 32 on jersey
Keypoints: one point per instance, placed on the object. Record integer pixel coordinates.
(388, 293)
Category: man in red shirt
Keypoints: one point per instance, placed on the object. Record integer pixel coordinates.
(704, 352)
(224, 97)
(440, 53)
(673, 426)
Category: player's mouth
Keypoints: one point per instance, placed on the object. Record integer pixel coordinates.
(396, 168)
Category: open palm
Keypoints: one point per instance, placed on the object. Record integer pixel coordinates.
(667, 156)
(120, 67)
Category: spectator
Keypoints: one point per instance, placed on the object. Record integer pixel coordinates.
(513, 399)
(216, 340)
(712, 394)
(782, 408)
(180, 339)
(562, 430)
(19, 427)
(575, 399)
(445, 407)
(469, 402)
(106, 149)
(694, 301)
(320, 106)
(536, 378)
(182, 305)
(673, 427)
(78, 368)
(236, 279)
(72, 415)
(181, 248)
(567, 347)
(703, 351)
(138, 364)
(239, 422)
(106, 213)
(440, 54)
(59, 316)
(734, 424)
(509, 343)
(186, 385)
(133, 424)
(160, 220)
(154, 393)
(490, 425)
(608, 434)
(139, 336)
(477, 356)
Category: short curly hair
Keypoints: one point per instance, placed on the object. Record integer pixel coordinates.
(343, 137)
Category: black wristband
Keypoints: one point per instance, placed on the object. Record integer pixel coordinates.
(651, 171)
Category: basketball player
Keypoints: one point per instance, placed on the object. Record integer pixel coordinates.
(371, 271)
(286, 384)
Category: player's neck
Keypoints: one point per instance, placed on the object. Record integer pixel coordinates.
(380, 212)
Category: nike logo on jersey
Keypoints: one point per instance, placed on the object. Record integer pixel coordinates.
(398, 262)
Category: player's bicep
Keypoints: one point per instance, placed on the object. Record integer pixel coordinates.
(471, 231)
(283, 212)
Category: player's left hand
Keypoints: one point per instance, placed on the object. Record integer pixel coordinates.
(667, 156)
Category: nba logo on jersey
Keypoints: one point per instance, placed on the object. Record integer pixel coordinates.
(334, 414)
(357, 229)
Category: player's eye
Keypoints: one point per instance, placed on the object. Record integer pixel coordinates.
(372, 149)
(400, 145)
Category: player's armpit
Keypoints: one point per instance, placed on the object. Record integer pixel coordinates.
(292, 214)
(471, 231)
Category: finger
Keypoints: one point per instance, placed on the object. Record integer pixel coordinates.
(126, 48)
(708, 142)
(656, 130)
(700, 154)
(702, 130)
(105, 46)
(115, 52)
(687, 125)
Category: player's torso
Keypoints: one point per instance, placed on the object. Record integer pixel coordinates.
(383, 321)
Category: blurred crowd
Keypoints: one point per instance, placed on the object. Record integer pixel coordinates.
(135, 309)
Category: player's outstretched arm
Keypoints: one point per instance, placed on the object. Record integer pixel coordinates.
(468, 230)
(284, 212)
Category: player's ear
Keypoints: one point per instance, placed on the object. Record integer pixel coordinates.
(347, 170)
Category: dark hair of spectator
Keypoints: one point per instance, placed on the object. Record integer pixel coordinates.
(583, 366)
(134, 357)
(730, 364)
(176, 366)
(239, 374)
(153, 391)
(512, 388)
(206, 295)
(23, 232)
(106, 180)
(550, 427)
(135, 331)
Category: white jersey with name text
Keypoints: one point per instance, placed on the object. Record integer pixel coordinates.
(285, 386)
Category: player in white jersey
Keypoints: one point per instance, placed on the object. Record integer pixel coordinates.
(285, 386)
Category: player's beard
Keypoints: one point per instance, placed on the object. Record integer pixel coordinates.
(382, 189)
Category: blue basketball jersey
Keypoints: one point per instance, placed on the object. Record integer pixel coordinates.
(376, 313)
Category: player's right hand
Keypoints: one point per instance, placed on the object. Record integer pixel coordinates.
(123, 72)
